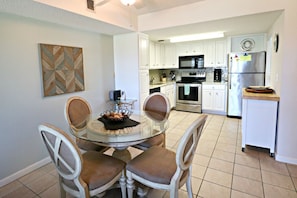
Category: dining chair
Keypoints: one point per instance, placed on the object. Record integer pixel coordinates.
(77, 111)
(161, 168)
(81, 175)
(157, 107)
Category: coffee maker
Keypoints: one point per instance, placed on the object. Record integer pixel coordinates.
(217, 75)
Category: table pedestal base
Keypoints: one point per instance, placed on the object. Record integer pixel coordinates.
(123, 155)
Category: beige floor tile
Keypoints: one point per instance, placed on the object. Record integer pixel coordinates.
(22, 192)
(227, 140)
(295, 182)
(248, 172)
(276, 192)
(247, 186)
(32, 176)
(198, 171)
(247, 160)
(269, 164)
(278, 180)
(237, 194)
(43, 183)
(196, 183)
(53, 191)
(226, 147)
(181, 194)
(10, 188)
(221, 165)
(201, 160)
(227, 156)
(211, 190)
(292, 170)
(218, 177)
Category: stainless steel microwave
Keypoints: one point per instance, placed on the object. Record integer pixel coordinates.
(191, 62)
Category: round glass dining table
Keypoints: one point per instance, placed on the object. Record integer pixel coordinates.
(95, 131)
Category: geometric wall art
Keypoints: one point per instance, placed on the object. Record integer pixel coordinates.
(62, 69)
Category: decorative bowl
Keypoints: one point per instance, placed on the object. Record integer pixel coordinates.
(116, 115)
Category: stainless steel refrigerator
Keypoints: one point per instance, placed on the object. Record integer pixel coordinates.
(244, 69)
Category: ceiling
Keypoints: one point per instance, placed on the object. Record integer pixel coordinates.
(258, 23)
(147, 6)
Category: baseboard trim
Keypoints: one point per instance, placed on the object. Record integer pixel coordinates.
(24, 171)
(285, 159)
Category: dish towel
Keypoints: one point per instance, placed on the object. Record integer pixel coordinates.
(186, 90)
(110, 125)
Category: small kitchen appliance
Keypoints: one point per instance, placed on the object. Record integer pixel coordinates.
(115, 95)
(191, 62)
(217, 75)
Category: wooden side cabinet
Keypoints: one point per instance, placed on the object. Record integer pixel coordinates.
(259, 122)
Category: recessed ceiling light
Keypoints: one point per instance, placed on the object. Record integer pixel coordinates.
(194, 37)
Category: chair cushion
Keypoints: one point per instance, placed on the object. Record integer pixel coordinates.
(155, 141)
(99, 169)
(89, 146)
(156, 164)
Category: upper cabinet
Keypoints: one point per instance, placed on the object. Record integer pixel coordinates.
(188, 49)
(171, 59)
(162, 56)
(143, 51)
(215, 53)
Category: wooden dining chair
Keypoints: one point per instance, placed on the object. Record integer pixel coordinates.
(161, 168)
(157, 107)
(81, 175)
(77, 111)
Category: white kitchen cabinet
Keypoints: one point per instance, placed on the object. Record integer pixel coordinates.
(215, 53)
(214, 98)
(259, 120)
(144, 85)
(131, 68)
(143, 51)
(157, 53)
(169, 91)
(187, 49)
(171, 59)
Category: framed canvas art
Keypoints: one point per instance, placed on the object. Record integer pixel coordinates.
(62, 69)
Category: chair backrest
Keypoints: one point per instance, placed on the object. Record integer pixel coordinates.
(186, 149)
(66, 157)
(77, 112)
(157, 106)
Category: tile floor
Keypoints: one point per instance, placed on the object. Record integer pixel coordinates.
(220, 168)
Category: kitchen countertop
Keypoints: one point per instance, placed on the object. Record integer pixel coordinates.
(160, 84)
(214, 83)
(260, 96)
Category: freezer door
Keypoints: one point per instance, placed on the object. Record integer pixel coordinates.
(247, 62)
(236, 83)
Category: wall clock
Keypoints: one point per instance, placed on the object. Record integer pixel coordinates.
(276, 42)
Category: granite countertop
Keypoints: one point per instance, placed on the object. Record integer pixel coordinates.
(260, 96)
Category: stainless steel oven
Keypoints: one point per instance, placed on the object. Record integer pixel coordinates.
(188, 97)
(189, 92)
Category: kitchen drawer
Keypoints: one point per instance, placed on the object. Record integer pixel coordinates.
(214, 86)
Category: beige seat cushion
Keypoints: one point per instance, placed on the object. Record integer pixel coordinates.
(101, 166)
(155, 141)
(156, 164)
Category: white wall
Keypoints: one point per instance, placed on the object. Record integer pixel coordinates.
(22, 105)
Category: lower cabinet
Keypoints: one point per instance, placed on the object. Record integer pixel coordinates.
(169, 91)
(214, 98)
(259, 122)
